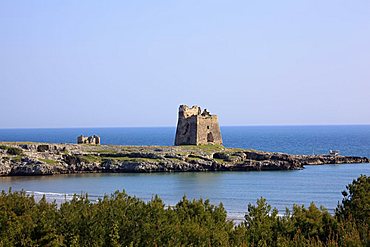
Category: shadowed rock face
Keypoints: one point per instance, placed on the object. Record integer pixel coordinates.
(49, 159)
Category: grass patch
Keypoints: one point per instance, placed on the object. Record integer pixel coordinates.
(17, 158)
(188, 159)
(202, 148)
(128, 159)
(104, 151)
(148, 160)
(220, 161)
(49, 161)
(90, 158)
(11, 150)
(3, 147)
(117, 158)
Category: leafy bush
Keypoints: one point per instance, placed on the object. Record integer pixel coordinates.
(3, 147)
(11, 150)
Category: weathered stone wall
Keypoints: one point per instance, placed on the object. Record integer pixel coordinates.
(186, 133)
(186, 112)
(197, 128)
(81, 139)
(208, 130)
(94, 139)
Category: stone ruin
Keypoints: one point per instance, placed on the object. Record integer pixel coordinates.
(94, 139)
(195, 127)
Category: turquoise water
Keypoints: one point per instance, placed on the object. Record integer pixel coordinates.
(319, 184)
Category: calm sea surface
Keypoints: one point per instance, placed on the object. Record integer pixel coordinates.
(319, 184)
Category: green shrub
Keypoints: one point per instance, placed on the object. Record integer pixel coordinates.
(356, 201)
(122, 220)
(3, 147)
(354, 212)
(14, 151)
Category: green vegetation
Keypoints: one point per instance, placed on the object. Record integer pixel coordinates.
(4, 147)
(17, 158)
(11, 150)
(122, 220)
(50, 162)
(122, 159)
(203, 148)
(103, 151)
(90, 158)
(219, 161)
(14, 151)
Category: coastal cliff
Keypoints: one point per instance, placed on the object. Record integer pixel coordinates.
(21, 159)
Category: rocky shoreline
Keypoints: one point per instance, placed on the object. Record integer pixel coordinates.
(28, 159)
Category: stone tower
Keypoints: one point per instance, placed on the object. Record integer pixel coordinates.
(195, 127)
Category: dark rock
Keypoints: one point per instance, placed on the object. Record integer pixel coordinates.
(257, 155)
(71, 159)
(14, 151)
(24, 146)
(42, 148)
(222, 156)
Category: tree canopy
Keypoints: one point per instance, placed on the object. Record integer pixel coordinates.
(123, 220)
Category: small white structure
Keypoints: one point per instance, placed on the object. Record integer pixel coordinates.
(334, 152)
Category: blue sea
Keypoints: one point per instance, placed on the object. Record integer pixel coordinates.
(319, 184)
(350, 140)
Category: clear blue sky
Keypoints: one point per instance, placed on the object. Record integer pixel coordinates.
(131, 63)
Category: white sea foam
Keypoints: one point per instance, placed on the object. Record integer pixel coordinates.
(46, 193)
(51, 196)
(60, 197)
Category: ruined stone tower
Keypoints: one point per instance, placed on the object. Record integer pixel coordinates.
(88, 140)
(195, 127)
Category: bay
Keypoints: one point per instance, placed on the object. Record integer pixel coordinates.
(319, 184)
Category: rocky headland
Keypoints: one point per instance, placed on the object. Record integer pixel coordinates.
(20, 159)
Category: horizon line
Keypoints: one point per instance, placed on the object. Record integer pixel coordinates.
(167, 126)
